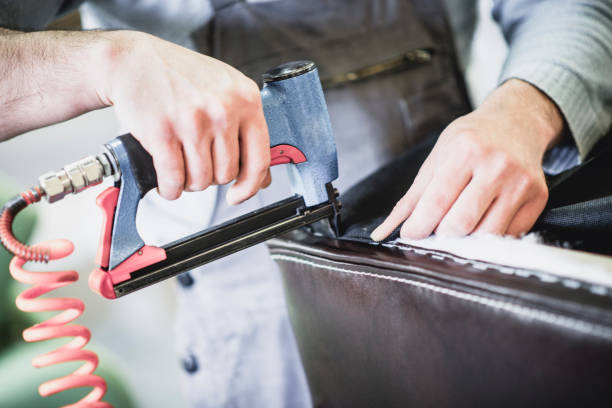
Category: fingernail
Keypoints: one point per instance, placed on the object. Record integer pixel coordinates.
(412, 235)
(404, 232)
(170, 197)
(442, 233)
(377, 235)
(231, 198)
(448, 232)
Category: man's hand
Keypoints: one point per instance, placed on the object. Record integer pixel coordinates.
(201, 120)
(485, 172)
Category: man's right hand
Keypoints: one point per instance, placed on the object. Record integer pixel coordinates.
(201, 120)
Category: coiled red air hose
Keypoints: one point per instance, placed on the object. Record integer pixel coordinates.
(69, 309)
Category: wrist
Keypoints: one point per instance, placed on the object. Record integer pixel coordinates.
(523, 102)
(110, 52)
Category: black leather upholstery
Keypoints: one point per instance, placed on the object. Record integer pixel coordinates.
(391, 326)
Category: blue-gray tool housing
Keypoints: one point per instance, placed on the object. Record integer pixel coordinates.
(296, 114)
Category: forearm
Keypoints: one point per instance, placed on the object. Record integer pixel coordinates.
(201, 120)
(50, 76)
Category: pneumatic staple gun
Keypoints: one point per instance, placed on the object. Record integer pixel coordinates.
(300, 135)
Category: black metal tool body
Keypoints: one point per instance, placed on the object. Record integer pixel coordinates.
(230, 237)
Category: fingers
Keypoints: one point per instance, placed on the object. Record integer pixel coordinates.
(434, 204)
(267, 180)
(517, 208)
(471, 190)
(527, 215)
(226, 151)
(254, 158)
(499, 215)
(210, 150)
(197, 152)
(404, 206)
(198, 166)
(458, 207)
(502, 211)
(169, 165)
(471, 205)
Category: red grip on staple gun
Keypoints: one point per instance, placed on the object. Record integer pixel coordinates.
(284, 154)
(102, 280)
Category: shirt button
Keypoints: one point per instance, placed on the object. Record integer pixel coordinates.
(185, 279)
(190, 363)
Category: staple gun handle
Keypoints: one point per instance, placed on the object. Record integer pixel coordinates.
(137, 177)
(141, 162)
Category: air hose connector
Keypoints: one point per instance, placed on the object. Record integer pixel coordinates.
(75, 177)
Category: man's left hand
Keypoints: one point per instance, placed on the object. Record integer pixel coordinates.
(485, 172)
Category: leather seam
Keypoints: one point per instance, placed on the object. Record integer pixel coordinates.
(543, 277)
(550, 318)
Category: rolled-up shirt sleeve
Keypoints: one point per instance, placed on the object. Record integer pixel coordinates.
(564, 48)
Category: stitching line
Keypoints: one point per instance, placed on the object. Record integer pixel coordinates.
(544, 277)
(523, 311)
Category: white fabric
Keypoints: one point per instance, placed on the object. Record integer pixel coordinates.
(527, 253)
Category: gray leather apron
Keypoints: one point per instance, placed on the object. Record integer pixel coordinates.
(388, 66)
(391, 80)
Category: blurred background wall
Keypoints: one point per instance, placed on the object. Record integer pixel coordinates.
(137, 331)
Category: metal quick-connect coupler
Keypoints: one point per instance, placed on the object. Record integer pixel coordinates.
(75, 177)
